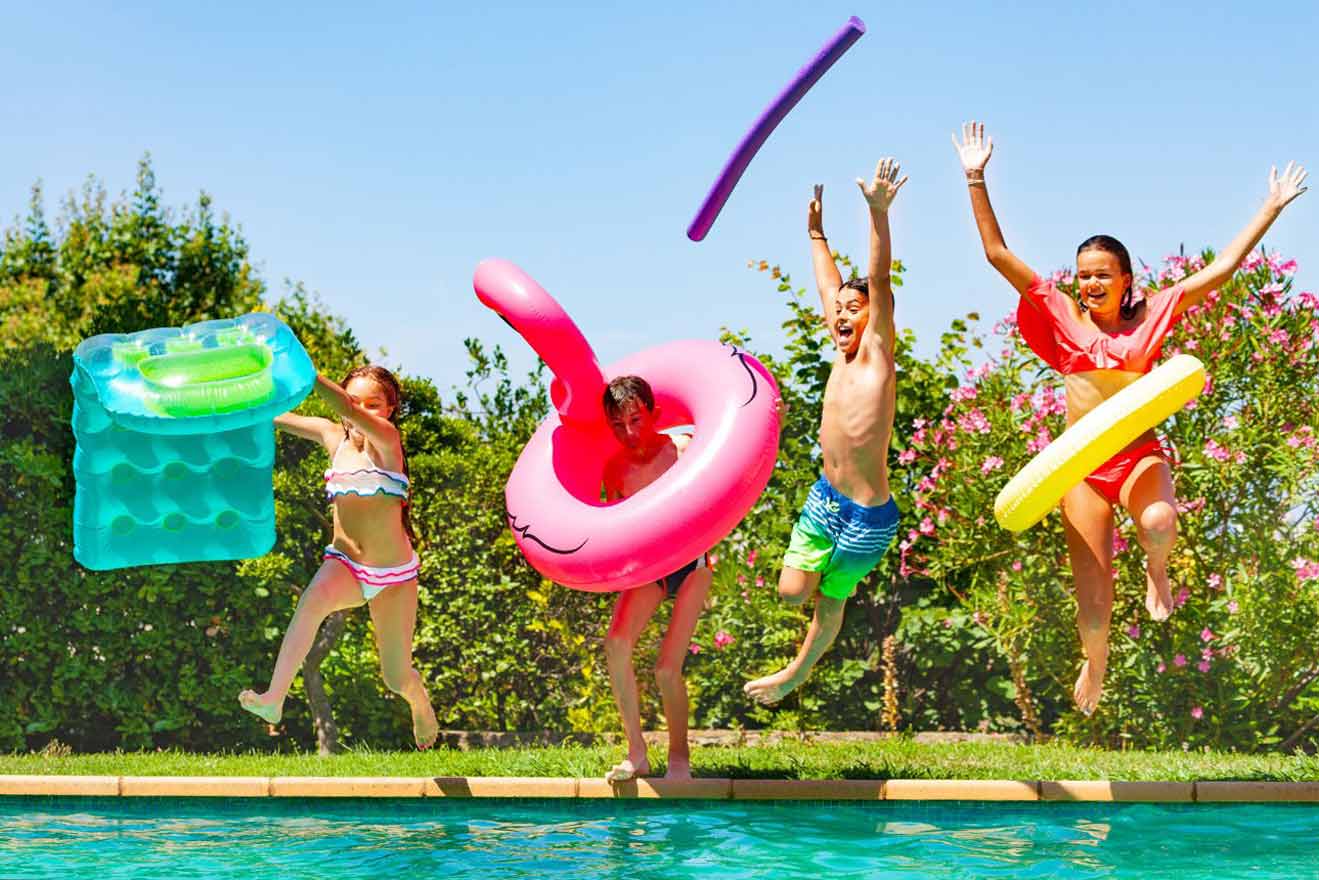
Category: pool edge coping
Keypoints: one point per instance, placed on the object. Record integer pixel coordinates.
(702, 788)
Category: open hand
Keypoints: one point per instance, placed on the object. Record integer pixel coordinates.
(815, 213)
(882, 190)
(1283, 189)
(975, 149)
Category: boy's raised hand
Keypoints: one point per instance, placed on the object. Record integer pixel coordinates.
(1283, 189)
(880, 192)
(975, 149)
(815, 213)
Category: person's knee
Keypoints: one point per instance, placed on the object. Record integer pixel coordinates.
(1093, 614)
(794, 588)
(1159, 521)
(668, 673)
(617, 648)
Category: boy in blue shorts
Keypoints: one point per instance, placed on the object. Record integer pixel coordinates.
(850, 519)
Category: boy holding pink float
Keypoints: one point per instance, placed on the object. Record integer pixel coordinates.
(850, 518)
(629, 406)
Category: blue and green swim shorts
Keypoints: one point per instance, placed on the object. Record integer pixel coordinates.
(840, 538)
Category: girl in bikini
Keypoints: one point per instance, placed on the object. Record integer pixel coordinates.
(371, 559)
(1100, 345)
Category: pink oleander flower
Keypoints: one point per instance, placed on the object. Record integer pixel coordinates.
(926, 484)
(1294, 441)
(991, 464)
(1215, 582)
(1287, 268)
(1180, 599)
(746, 597)
(760, 581)
(974, 422)
(1018, 401)
(722, 640)
(1206, 635)
(1197, 713)
(1206, 653)
(1161, 668)
(694, 648)
(1239, 458)
(1214, 451)
(978, 373)
(1233, 607)
(927, 526)
(1179, 661)
(1306, 570)
(1203, 666)
(1134, 630)
(980, 618)
(963, 393)
(741, 580)
(913, 536)
(1230, 423)
(907, 456)
(918, 439)
(714, 559)
(919, 423)
(1258, 357)
(1016, 565)
(1120, 544)
(947, 623)
(1279, 337)
(751, 558)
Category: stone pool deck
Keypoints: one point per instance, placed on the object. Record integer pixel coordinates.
(697, 789)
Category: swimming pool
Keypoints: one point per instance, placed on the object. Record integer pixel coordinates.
(264, 838)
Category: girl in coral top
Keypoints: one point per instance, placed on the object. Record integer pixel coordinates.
(1101, 345)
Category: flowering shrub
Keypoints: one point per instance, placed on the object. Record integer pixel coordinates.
(1235, 665)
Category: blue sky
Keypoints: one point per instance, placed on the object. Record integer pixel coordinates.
(377, 155)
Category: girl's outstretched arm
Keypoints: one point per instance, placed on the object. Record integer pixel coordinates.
(323, 431)
(1281, 192)
(827, 278)
(974, 152)
(380, 432)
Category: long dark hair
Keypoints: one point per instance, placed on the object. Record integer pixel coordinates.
(1110, 245)
(394, 395)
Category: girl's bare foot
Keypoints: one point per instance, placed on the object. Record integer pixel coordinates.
(1158, 593)
(425, 726)
(771, 689)
(263, 706)
(1089, 687)
(680, 767)
(628, 768)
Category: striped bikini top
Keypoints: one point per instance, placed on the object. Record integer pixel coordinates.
(369, 480)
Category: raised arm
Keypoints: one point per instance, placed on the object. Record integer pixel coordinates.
(323, 431)
(879, 195)
(1281, 192)
(827, 278)
(974, 152)
(380, 432)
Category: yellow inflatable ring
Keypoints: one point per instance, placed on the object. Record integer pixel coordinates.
(1095, 438)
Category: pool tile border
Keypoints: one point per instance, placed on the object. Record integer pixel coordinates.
(697, 789)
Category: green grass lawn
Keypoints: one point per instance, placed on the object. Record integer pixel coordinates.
(891, 759)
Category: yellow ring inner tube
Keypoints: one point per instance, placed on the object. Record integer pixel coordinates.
(1095, 438)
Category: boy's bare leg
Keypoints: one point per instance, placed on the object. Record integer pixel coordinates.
(826, 623)
(333, 588)
(687, 608)
(631, 613)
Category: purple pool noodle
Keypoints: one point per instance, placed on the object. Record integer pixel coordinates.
(753, 140)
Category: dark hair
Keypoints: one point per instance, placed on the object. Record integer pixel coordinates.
(623, 389)
(862, 286)
(1110, 245)
(394, 394)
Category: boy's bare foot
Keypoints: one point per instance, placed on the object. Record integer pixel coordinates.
(679, 768)
(263, 706)
(627, 769)
(425, 726)
(1089, 687)
(771, 689)
(1158, 593)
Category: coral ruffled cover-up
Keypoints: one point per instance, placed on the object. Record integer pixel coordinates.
(1072, 345)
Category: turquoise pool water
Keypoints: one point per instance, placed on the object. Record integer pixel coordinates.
(176, 838)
